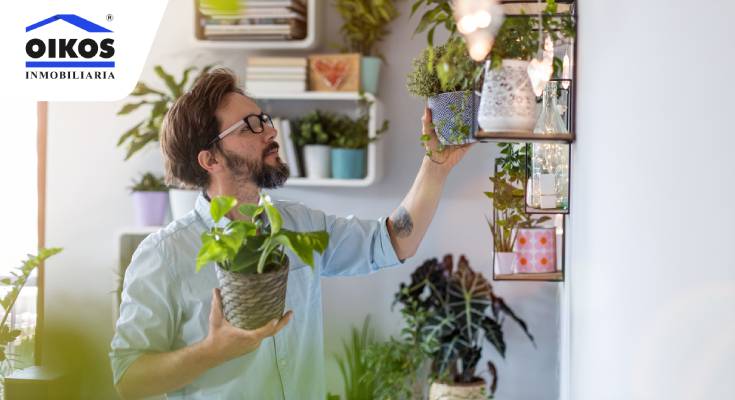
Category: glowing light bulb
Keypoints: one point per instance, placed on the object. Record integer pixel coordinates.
(466, 25)
(483, 19)
(479, 48)
(565, 72)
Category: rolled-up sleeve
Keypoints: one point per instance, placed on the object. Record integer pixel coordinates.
(356, 247)
(147, 311)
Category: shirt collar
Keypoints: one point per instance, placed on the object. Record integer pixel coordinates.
(202, 208)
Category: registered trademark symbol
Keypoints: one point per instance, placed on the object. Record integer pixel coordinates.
(109, 18)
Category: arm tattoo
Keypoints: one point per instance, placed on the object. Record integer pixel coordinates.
(402, 223)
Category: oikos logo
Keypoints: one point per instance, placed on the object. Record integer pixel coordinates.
(62, 54)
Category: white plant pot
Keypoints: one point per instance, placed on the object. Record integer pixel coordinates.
(467, 391)
(505, 263)
(317, 161)
(508, 103)
(182, 201)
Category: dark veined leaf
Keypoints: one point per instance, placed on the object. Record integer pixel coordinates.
(221, 205)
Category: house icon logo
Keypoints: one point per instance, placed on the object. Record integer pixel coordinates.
(51, 56)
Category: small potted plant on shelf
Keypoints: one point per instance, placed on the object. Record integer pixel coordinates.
(458, 312)
(349, 146)
(363, 27)
(508, 198)
(147, 130)
(508, 102)
(150, 200)
(446, 75)
(251, 260)
(315, 131)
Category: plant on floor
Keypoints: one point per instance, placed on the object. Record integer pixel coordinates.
(149, 182)
(356, 375)
(394, 367)
(509, 198)
(459, 312)
(364, 24)
(147, 130)
(15, 283)
(250, 247)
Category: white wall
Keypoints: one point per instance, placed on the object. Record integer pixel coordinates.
(653, 274)
(88, 203)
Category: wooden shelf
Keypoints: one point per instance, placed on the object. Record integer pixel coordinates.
(530, 137)
(546, 276)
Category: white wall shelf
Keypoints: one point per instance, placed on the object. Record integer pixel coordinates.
(298, 103)
(312, 38)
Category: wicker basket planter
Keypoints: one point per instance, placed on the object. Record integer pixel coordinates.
(458, 391)
(252, 300)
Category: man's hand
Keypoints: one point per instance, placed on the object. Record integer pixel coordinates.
(225, 342)
(446, 156)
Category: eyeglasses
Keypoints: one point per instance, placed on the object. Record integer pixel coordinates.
(255, 123)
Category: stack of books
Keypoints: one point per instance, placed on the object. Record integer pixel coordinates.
(287, 149)
(254, 20)
(268, 75)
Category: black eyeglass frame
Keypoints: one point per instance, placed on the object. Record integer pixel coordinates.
(263, 117)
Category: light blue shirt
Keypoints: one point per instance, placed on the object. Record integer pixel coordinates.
(166, 303)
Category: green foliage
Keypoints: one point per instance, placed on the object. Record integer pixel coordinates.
(353, 134)
(16, 281)
(149, 182)
(455, 311)
(394, 366)
(159, 101)
(353, 364)
(509, 197)
(364, 23)
(316, 127)
(439, 13)
(445, 68)
(249, 247)
(518, 37)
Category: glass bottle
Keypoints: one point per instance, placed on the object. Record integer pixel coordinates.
(550, 161)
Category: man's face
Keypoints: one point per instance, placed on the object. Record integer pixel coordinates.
(250, 157)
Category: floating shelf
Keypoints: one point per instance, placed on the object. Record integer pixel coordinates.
(312, 95)
(546, 276)
(530, 137)
(331, 182)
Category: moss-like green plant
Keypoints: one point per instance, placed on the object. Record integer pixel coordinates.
(365, 24)
(316, 127)
(149, 182)
(441, 69)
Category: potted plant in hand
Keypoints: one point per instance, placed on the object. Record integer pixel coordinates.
(446, 75)
(150, 200)
(509, 199)
(251, 261)
(147, 131)
(349, 146)
(460, 313)
(316, 131)
(508, 102)
(364, 25)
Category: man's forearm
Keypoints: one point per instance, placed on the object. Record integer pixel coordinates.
(410, 221)
(158, 373)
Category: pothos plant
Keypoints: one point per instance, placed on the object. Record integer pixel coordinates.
(509, 197)
(365, 24)
(458, 311)
(250, 247)
(16, 281)
(159, 101)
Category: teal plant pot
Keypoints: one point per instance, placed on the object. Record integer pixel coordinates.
(444, 108)
(370, 74)
(348, 163)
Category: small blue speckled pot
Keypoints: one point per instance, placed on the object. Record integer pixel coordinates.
(443, 108)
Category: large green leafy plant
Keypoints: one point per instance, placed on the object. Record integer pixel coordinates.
(15, 282)
(250, 247)
(458, 312)
(159, 102)
(365, 23)
(509, 197)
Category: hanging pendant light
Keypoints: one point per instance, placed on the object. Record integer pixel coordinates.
(478, 21)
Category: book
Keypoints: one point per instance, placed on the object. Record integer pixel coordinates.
(293, 162)
(279, 139)
(266, 87)
(261, 76)
(275, 70)
(277, 61)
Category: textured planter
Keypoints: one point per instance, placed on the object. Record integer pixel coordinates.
(443, 117)
(250, 301)
(370, 74)
(348, 163)
(316, 161)
(150, 208)
(182, 201)
(507, 103)
(505, 263)
(466, 391)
